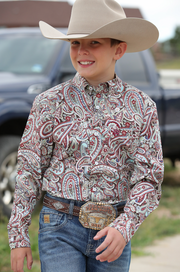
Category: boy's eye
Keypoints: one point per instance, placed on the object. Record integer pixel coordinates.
(74, 42)
(94, 42)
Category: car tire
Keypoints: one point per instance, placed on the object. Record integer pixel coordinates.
(8, 168)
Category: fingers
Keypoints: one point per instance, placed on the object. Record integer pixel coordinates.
(106, 242)
(112, 252)
(17, 259)
(113, 244)
(101, 233)
(29, 260)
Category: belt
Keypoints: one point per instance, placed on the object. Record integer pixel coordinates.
(64, 207)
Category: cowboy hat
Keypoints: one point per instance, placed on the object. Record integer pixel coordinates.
(92, 19)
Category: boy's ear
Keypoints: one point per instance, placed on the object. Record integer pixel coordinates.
(120, 50)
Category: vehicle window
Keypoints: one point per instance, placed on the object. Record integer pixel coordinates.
(67, 69)
(132, 69)
(26, 54)
(66, 61)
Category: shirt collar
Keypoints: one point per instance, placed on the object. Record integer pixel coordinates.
(110, 87)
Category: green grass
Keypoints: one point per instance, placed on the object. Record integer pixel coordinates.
(159, 224)
(4, 248)
(5, 265)
(153, 229)
(168, 167)
(165, 220)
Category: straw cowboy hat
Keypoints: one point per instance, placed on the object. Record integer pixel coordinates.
(91, 19)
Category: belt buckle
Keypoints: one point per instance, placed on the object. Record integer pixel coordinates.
(96, 215)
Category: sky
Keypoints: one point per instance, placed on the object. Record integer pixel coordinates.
(163, 13)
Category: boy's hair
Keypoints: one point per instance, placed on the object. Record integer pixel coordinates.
(114, 42)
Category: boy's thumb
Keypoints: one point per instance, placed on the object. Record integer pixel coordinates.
(100, 234)
(29, 260)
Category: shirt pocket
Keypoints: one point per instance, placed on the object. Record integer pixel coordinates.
(51, 220)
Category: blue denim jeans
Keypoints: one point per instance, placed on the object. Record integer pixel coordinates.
(66, 246)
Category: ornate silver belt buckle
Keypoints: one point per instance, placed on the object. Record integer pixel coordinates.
(96, 215)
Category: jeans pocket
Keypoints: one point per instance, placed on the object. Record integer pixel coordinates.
(51, 220)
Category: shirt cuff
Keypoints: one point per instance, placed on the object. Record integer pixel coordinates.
(125, 226)
(17, 240)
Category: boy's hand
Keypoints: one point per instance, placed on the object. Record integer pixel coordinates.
(17, 258)
(114, 244)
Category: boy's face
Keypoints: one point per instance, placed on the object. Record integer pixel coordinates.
(95, 59)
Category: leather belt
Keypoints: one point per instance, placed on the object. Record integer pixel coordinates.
(64, 207)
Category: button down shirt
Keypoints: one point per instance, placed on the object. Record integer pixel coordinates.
(89, 143)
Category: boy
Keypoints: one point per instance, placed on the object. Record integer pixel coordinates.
(93, 145)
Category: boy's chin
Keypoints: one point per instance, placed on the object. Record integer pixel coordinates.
(86, 76)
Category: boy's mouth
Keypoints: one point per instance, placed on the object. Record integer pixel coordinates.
(86, 62)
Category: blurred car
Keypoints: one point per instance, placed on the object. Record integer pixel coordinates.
(29, 65)
(169, 78)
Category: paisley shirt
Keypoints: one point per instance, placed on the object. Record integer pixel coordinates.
(86, 143)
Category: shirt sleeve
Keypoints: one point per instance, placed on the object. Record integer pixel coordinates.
(146, 178)
(33, 158)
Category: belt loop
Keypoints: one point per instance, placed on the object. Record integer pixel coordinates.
(115, 207)
(71, 208)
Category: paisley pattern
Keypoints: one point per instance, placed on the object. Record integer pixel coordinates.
(86, 143)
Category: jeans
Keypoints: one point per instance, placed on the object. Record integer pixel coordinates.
(66, 246)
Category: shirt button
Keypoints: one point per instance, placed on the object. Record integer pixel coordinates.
(96, 163)
(117, 109)
(97, 107)
(94, 189)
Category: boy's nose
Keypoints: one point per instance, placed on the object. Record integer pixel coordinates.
(82, 50)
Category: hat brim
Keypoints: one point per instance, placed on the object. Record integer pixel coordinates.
(139, 34)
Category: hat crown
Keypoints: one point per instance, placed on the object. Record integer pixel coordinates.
(93, 19)
(89, 15)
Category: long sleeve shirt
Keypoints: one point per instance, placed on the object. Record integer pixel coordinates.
(90, 144)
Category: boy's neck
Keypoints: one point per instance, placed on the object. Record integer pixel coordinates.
(96, 83)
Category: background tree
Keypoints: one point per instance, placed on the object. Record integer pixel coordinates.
(175, 42)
